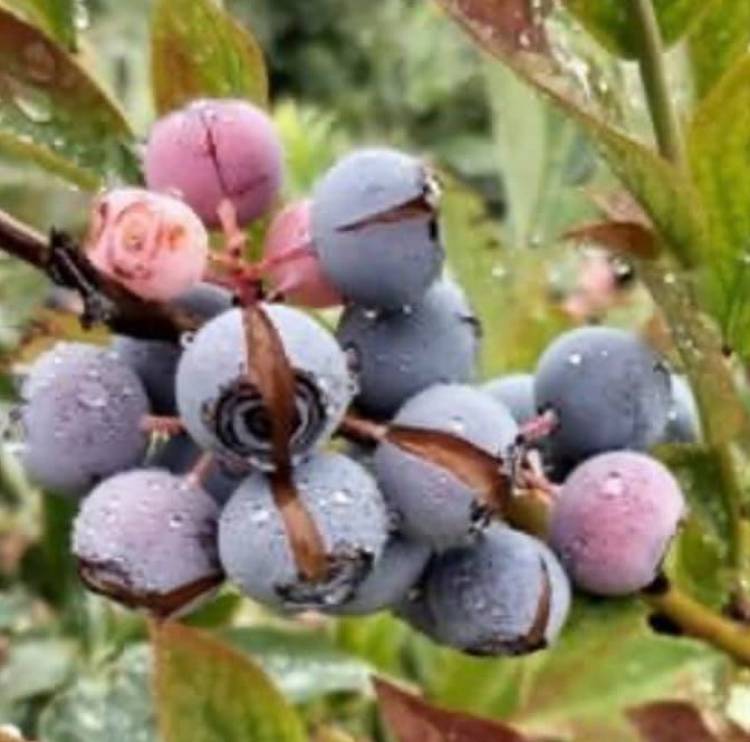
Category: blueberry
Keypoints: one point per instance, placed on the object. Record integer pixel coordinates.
(81, 413)
(399, 353)
(375, 228)
(504, 595)
(516, 392)
(180, 454)
(213, 150)
(147, 538)
(613, 521)
(391, 579)
(436, 507)
(223, 412)
(683, 421)
(348, 509)
(155, 361)
(608, 389)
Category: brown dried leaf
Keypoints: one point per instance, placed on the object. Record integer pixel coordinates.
(159, 605)
(676, 721)
(629, 238)
(270, 372)
(477, 469)
(411, 719)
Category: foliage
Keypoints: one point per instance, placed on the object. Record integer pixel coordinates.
(552, 117)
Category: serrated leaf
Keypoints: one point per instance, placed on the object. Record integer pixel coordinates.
(113, 704)
(661, 189)
(198, 50)
(304, 665)
(57, 17)
(53, 112)
(208, 692)
(719, 150)
(718, 41)
(609, 22)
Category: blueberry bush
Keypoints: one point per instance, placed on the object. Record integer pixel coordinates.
(375, 373)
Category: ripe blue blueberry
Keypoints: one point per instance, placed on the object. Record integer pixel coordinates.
(349, 512)
(504, 595)
(155, 361)
(81, 413)
(397, 571)
(435, 507)
(399, 353)
(613, 521)
(375, 228)
(608, 390)
(516, 392)
(147, 538)
(223, 412)
(683, 420)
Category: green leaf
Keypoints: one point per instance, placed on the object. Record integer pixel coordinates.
(52, 111)
(660, 188)
(718, 41)
(719, 150)
(34, 667)
(197, 50)
(304, 665)
(628, 664)
(56, 17)
(113, 703)
(209, 692)
(509, 288)
(699, 556)
(609, 22)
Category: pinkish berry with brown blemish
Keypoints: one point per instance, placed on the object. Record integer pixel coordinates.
(151, 243)
(292, 265)
(614, 520)
(213, 150)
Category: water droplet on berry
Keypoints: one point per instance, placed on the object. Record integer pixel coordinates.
(575, 359)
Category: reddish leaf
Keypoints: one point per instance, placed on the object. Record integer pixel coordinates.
(670, 721)
(411, 719)
(477, 469)
(513, 24)
(629, 238)
(269, 371)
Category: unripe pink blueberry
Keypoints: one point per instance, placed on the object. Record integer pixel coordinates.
(151, 243)
(213, 150)
(292, 264)
(613, 522)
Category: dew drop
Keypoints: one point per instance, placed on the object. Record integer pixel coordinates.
(575, 359)
(176, 520)
(34, 104)
(92, 394)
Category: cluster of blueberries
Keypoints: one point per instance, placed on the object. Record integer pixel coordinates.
(165, 516)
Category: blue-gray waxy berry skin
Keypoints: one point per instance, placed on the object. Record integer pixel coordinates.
(81, 414)
(180, 454)
(399, 353)
(222, 413)
(378, 263)
(393, 576)
(608, 389)
(434, 506)
(683, 420)
(349, 511)
(148, 532)
(155, 361)
(486, 598)
(516, 392)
